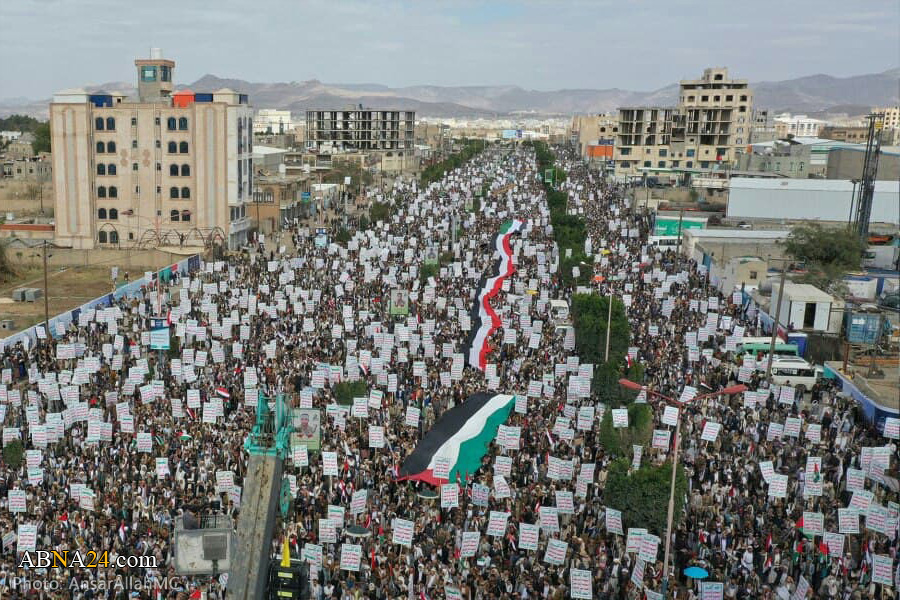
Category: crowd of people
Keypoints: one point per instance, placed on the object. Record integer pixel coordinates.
(121, 441)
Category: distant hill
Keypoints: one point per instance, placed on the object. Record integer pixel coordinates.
(820, 94)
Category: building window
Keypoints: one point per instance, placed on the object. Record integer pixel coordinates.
(170, 123)
(704, 98)
(661, 164)
(148, 73)
(165, 73)
(113, 191)
(739, 141)
(690, 152)
(113, 237)
(111, 169)
(704, 164)
(137, 190)
(156, 120)
(185, 192)
(183, 147)
(159, 166)
(625, 151)
(98, 123)
(663, 152)
(134, 144)
(173, 170)
(690, 164)
(743, 98)
(624, 164)
(159, 189)
(174, 215)
(134, 121)
(647, 163)
(111, 147)
(185, 170)
(110, 124)
(113, 214)
(173, 192)
(134, 166)
(101, 169)
(172, 147)
(158, 144)
(802, 166)
(101, 191)
(185, 215)
(753, 274)
(101, 213)
(182, 123)
(101, 147)
(101, 237)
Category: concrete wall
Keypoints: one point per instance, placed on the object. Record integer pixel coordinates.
(124, 259)
(807, 199)
(847, 163)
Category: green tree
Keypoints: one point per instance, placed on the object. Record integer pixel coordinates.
(619, 441)
(346, 391)
(41, 141)
(13, 453)
(643, 495)
(828, 253)
(379, 211)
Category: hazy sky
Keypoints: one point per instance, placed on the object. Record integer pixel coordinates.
(47, 45)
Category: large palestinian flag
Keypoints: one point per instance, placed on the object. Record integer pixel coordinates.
(461, 437)
(484, 320)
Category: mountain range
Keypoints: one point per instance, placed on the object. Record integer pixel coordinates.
(814, 94)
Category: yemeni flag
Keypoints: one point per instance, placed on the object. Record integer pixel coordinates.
(461, 436)
(484, 320)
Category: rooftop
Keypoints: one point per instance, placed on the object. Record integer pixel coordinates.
(803, 292)
(737, 234)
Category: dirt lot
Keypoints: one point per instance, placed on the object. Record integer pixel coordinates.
(69, 288)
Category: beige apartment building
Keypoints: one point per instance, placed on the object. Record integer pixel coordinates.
(159, 169)
(709, 127)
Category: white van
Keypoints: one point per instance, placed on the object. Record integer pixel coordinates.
(792, 370)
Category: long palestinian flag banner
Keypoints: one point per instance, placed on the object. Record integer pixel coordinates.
(458, 441)
(484, 320)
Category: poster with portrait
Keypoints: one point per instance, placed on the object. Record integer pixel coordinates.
(399, 302)
(307, 428)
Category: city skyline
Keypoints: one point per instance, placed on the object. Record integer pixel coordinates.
(535, 45)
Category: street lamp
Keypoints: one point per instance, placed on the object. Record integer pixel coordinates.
(632, 385)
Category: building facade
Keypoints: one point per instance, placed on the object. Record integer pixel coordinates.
(891, 116)
(159, 169)
(709, 127)
(855, 135)
(797, 126)
(272, 121)
(360, 129)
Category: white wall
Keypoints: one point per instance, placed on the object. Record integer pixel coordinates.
(807, 199)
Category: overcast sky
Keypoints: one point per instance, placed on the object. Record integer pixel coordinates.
(47, 45)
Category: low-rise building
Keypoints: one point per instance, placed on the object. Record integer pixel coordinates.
(855, 135)
(781, 157)
(804, 307)
(273, 121)
(278, 199)
(28, 169)
(847, 163)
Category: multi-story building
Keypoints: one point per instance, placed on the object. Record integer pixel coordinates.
(360, 129)
(270, 120)
(710, 126)
(797, 126)
(643, 139)
(594, 136)
(891, 116)
(158, 169)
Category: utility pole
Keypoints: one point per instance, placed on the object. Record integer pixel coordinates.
(775, 324)
(46, 294)
(867, 181)
(680, 222)
(608, 324)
